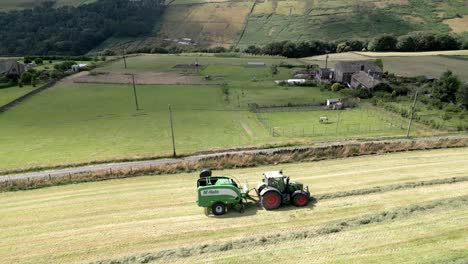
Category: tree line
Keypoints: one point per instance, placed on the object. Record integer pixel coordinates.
(414, 41)
(45, 30)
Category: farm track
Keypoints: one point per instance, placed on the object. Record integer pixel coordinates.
(194, 161)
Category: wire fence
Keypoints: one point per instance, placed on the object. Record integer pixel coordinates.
(336, 126)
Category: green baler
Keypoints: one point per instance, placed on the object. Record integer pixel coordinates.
(218, 194)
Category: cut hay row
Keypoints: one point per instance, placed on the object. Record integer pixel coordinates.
(335, 227)
(241, 159)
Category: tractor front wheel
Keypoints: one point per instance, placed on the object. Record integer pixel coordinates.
(218, 208)
(271, 200)
(300, 200)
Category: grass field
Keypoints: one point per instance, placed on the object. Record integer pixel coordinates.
(9, 94)
(76, 123)
(119, 218)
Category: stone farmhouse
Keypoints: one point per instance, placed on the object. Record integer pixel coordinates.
(11, 69)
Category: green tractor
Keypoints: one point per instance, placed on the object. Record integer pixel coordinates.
(276, 189)
(218, 194)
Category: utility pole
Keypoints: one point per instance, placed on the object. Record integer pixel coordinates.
(412, 114)
(124, 59)
(172, 131)
(135, 93)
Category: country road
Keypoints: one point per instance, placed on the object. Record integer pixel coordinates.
(426, 143)
(129, 165)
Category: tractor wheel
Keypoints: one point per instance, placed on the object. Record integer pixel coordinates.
(271, 200)
(300, 200)
(218, 208)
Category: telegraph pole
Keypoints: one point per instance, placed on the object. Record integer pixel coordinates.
(174, 154)
(412, 114)
(135, 93)
(124, 59)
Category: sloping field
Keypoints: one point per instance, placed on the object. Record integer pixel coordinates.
(303, 20)
(120, 218)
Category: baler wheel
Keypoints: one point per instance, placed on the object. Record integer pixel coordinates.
(271, 200)
(300, 200)
(218, 208)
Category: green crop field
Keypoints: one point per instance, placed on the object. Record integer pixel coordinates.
(128, 217)
(82, 122)
(9, 94)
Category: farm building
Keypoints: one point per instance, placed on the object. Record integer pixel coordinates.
(11, 69)
(334, 104)
(296, 81)
(345, 70)
(325, 75)
(78, 67)
(364, 79)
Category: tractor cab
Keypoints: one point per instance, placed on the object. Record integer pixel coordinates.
(277, 189)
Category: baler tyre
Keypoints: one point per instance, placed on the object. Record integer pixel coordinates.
(300, 200)
(271, 200)
(218, 208)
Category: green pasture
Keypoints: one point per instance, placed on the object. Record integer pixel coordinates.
(9, 94)
(76, 123)
(361, 121)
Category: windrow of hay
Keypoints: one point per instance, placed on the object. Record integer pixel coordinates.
(334, 227)
(242, 159)
(388, 188)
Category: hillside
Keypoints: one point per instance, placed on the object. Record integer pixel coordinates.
(248, 22)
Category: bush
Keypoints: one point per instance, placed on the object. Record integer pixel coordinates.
(38, 61)
(26, 78)
(336, 87)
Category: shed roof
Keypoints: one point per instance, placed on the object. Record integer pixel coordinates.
(6, 65)
(365, 79)
(356, 66)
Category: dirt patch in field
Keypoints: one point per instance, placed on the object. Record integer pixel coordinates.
(458, 25)
(140, 78)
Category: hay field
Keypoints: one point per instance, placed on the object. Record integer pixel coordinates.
(120, 218)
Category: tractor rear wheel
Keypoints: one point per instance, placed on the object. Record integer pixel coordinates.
(218, 208)
(300, 200)
(271, 200)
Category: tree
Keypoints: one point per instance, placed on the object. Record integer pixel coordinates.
(383, 43)
(462, 96)
(38, 61)
(252, 49)
(447, 87)
(26, 78)
(274, 69)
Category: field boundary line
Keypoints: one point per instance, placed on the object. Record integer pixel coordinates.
(22, 98)
(224, 160)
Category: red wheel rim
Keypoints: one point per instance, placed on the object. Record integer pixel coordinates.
(271, 199)
(301, 200)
